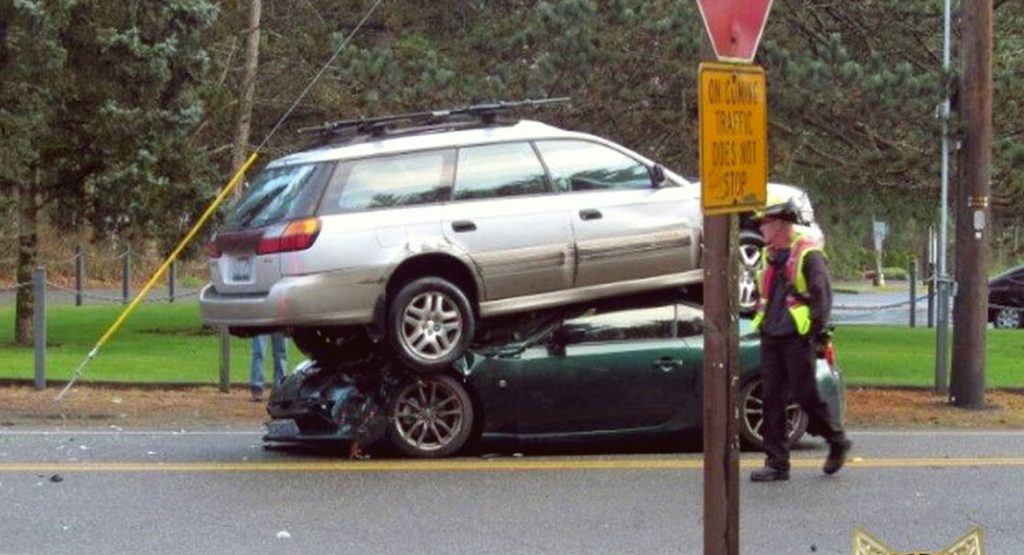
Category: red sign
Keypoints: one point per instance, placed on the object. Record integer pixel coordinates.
(735, 26)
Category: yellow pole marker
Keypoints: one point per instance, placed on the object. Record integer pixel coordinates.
(160, 271)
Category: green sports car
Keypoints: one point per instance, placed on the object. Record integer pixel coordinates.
(591, 374)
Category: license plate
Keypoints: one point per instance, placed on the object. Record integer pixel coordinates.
(241, 269)
(283, 428)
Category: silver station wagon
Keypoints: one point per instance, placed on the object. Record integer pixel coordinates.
(419, 230)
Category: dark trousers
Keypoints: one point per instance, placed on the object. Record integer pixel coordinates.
(787, 373)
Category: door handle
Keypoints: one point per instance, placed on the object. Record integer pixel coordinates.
(590, 214)
(463, 225)
(666, 364)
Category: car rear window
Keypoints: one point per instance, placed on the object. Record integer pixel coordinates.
(390, 181)
(279, 194)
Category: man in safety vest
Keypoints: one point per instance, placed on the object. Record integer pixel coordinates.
(793, 310)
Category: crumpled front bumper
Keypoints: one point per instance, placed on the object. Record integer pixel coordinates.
(319, 405)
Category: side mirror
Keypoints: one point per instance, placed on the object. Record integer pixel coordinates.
(658, 175)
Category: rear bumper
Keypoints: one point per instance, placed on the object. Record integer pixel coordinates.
(335, 298)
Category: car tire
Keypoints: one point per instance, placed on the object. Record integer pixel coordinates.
(430, 324)
(1007, 318)
(431, 417)
(749, 255)
(752, 417)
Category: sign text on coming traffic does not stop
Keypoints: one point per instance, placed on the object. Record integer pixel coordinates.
(733, 138)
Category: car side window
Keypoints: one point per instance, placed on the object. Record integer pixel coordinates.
(389, 181)
(689, 321)
(588, 166)
(623, 325)
(500, 170)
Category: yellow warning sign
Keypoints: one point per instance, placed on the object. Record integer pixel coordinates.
(972, 543)
(733, 138)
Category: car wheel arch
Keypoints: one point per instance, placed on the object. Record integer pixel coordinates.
(479, 416)
(439, 265)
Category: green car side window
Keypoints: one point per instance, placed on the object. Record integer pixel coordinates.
(689, 321)
(624, 325)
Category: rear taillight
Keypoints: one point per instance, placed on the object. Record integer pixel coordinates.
(293, 236)
(830, 354)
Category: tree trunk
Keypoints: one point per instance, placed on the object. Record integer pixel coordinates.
(243, 121)
(240, 147)
(28, 244)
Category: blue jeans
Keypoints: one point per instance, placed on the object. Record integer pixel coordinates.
(280, 360)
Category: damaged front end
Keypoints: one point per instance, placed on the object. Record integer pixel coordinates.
(322, 403)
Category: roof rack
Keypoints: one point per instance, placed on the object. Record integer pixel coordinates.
(476, 115)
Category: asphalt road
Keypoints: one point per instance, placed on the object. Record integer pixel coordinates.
(220, 492)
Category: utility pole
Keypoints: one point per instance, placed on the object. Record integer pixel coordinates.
(970, 308)
(939, 278)
(730, 184)
(721, 361)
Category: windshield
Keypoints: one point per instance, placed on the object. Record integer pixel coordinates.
(1019, 271)
(278, 194)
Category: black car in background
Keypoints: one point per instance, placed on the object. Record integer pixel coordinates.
(1006, 299)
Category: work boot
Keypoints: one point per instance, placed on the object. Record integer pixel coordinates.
(256, 395)
(837, 451)
(769, 474)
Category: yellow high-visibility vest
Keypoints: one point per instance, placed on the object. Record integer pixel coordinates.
(794, 273)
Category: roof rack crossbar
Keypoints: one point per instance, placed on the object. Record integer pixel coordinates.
(486, 113)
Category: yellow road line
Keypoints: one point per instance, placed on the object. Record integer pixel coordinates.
(462, 465)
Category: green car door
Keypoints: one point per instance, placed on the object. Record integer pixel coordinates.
(616, 371)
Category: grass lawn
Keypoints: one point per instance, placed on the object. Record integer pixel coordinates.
(893, 355)
(166, 343)
(158, 343)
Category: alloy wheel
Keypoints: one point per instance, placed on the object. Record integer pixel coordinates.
(430, 415)
(1008, 318)
(750, 260)
(431, 325)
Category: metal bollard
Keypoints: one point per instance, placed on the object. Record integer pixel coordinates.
(39, 292)
(225, 360)
(126, 272)
(171, 275)
(931, 300)
(913, 292)
(79, 274)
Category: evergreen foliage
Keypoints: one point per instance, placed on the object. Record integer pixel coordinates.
(119, 115)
